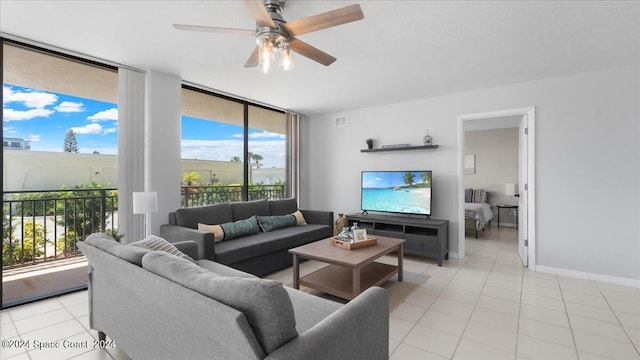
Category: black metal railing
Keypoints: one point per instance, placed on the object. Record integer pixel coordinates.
(41, 226)
(45, 225)
(214, 194)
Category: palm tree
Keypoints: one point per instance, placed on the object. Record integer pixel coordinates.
(257, 158)
(191, 178)
(408, 178)
(235, 159)
(425, 178)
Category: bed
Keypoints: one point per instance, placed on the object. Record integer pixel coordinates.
(477, 210)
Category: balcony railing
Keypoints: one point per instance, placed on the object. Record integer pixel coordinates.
(42, 226)
(214, 194)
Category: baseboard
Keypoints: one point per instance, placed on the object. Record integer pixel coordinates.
(589, 276)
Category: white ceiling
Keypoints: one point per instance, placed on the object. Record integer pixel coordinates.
(402, 50)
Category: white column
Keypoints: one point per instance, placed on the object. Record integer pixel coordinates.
(162, 144)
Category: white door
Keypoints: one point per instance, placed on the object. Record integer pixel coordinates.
(523, 248)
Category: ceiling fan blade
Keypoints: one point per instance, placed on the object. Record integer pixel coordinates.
(258, 11)
(325, 20)
(311, 52)
(212, 29)
(253, 59)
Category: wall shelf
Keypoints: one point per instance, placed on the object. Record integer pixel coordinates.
(421, 147)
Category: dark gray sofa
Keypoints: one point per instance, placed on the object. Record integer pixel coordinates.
(259, 254)
(158, 306)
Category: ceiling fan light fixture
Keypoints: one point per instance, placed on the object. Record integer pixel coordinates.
(266, 54)
(286, 58)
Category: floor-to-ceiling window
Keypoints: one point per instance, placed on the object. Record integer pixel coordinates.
(59, 163)
(232, 150)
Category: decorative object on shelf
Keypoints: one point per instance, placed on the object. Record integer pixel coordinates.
(340, 223)
(427, 139)
(393, 146)
(369, 143)
(397, 148)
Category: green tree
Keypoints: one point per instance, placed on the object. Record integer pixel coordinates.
(257, 158)
(70, 142)
(408, 178)
(425, 178)
(191, 178)
(33, 243)
(235, 159)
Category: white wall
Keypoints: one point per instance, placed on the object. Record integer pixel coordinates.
(587, 151)
(496, 152)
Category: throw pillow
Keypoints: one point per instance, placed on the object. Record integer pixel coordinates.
(157, 243)
(268, 223)
(265, 303)
(240, 228)
(300, 220)
(218, 233)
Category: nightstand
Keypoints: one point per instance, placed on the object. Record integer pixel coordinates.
(500, 207)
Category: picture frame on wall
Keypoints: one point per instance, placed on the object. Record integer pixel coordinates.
(360, 235)
(470, 164)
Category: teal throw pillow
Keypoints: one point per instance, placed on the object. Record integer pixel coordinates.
(240, 228)
(268, 223)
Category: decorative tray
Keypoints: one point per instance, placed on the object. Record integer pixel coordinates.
(347, 245)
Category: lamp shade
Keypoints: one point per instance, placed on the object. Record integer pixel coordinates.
(511, 189)
(145, 202)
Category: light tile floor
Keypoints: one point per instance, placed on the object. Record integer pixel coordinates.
(486, 306)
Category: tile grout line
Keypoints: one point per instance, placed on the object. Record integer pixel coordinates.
(617, 318)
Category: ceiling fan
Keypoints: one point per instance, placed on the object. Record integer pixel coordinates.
(274, 35)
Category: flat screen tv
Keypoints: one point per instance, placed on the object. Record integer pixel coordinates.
(405, 192)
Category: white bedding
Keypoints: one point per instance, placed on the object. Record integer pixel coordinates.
(481, 212)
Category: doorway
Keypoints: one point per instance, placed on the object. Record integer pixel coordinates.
(526, 201)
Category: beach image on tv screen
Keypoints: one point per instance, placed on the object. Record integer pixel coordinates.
(397, 191)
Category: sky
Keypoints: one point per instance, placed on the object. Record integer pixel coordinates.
(386, 179)
(44, 118)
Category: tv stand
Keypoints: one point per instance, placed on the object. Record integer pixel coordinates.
(364, 212)
(423, 237)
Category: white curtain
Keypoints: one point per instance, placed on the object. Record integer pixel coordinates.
(131, 115)
(293, 153)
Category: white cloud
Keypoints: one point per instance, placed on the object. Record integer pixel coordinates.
(88, 129)
(110, 131)
(273, 151)
(30, 99)
(9, 130)
(266, 134)
(111, 114)
(69, 107)
(238, 136)
(19, 115)
(34, 137)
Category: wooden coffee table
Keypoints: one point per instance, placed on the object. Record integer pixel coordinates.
(350, 271)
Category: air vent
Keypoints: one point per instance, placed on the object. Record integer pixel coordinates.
(340, 121)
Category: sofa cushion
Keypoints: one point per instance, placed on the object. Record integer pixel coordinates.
(210, 214)
(222, 270)
(268, 223)
(247, 247)
(157, 243)
(246, 209)
(240, 228)
(106, 243)
(265, 303)
(300, 220)
(218, 233)
(283, 207)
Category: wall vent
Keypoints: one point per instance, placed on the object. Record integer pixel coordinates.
(340, 121)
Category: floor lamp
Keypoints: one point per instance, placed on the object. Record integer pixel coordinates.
(145, 203)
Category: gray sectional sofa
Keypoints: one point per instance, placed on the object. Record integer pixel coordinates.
(260, 253)
(156, 305)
